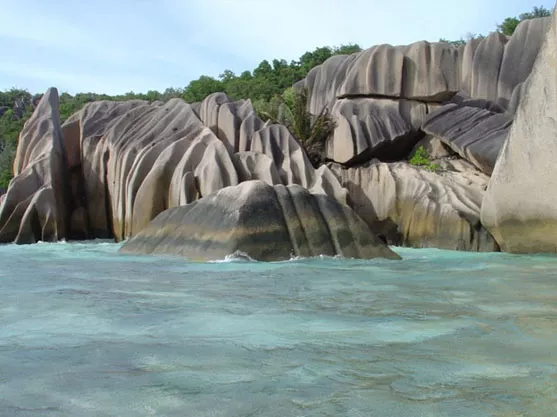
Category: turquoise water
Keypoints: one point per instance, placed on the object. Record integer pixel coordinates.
(85, 331)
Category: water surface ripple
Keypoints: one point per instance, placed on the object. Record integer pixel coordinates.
(85, 331)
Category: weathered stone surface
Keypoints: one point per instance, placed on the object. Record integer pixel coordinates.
(209, 110)
(257, 166)
(410, 206)
(519, 56)
(431, 72)
(489, 68)
(362, 91)
(475, 133)
(519, 208)
(374, 128)
(467, 65)
(35, 206)
(377, 71)
(124, 163)
(292, 162)
(325, 80)
(85, 147)
(264, 222)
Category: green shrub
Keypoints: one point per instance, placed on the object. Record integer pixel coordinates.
(291, 110)
(421, 158)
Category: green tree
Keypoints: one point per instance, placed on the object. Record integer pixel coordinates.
(198, 89)
(461, 42)
(316, 57)
(7, 155)
(348, 49)
(510, 23)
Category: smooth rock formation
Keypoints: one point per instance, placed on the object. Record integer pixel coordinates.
(264, 222)
(519, 208)
(35, 206)
(489, 68)
(475, 133)
(114, 166)
(381, 96)
(520, 54)
(373, 128)
(410, 206)
(84, 137)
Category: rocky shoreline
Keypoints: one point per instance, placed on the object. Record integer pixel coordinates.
(179, 178)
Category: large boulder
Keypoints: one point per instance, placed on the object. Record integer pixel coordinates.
(490, 68)
(373, 128)
(411, 206)
(519, 208)
(476, 133)
(519, 56)
(264, 222)
(87, 155)
(381, 96)
(35, 206)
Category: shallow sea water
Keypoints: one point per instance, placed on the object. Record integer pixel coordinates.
(85, 331)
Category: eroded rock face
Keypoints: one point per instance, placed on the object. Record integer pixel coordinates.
(519, 206)
(264, 222)
(382, 95)
(374, 128)
(421, 71)
(410, 206)
(475, 133)
(87, 154)
(489, 68)
(35, 206)
(114, 166)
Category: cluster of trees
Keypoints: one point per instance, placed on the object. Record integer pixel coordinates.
(507, 27)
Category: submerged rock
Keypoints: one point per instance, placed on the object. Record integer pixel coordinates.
(519, 207)
(264, 222)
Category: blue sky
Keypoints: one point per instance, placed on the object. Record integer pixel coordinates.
(116, 46)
